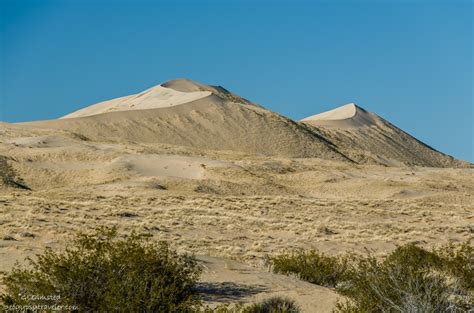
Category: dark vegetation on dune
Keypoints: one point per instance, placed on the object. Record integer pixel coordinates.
(409, 279)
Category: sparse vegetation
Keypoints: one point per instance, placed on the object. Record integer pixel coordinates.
(100, 272)
(410, 279)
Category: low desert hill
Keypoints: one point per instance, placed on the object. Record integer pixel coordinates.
(365, 137)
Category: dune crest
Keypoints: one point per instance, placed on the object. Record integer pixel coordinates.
(153, 98)
(349, 115)
(343, 112)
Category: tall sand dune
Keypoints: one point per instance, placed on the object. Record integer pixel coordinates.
(215, 120)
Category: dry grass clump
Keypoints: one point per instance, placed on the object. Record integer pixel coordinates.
(274, 304)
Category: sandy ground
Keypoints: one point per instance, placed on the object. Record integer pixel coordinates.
(227, 281)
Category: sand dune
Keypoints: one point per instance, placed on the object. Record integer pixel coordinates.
(219, 121)
(365, 137)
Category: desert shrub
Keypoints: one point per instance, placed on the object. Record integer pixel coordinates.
(410, 279)
(273, 305)
(102, 273)
(395, 286)
(413, 256)
(312, 266)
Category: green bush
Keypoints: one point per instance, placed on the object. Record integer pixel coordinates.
(410, 255)
(311, 266)
(410, 279)
(101, 272)
(375, 286)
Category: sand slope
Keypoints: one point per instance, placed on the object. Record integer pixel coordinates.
(367, 138)
(151, 165)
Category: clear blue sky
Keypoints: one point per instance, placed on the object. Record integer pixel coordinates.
(409, 61)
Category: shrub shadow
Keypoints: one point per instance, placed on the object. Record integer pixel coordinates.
(226, 291)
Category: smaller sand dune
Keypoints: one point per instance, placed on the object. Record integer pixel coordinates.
(366, 137)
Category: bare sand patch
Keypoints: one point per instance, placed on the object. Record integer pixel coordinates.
(168, 165)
